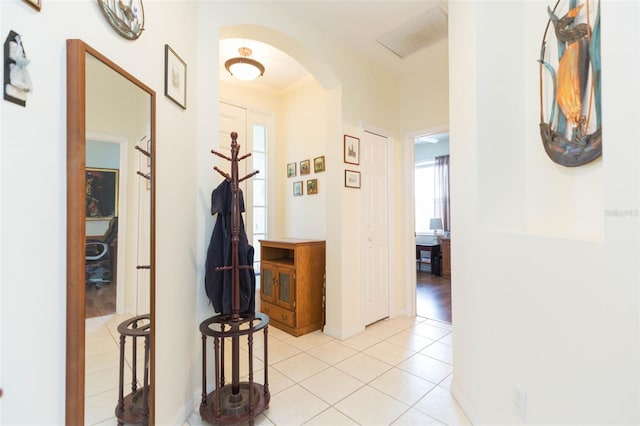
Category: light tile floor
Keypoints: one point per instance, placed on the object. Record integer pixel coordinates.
(102, 366)
(397, 372)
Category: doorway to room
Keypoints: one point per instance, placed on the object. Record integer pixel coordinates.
(432, 225)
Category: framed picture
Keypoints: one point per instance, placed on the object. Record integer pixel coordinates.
(351, 179)
(312, 186)
(305, 167)
(36, 4)
(102, 193)
(351, 149)
(175, 77)
(297, 189)
(291, 170)
(318, 164)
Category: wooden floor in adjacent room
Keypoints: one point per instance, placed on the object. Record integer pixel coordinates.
(433, 296)
(101, 300)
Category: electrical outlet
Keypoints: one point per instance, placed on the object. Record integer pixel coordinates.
(520, 401)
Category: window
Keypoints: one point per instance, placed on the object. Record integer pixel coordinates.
(424, 195)
(259, 183)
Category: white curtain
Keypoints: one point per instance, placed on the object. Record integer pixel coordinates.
(441, 191)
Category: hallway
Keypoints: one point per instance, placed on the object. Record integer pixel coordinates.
(398, 371)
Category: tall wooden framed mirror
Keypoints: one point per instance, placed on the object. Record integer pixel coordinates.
(109, 105)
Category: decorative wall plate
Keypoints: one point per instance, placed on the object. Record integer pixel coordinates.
(125, 16)
(570, 90)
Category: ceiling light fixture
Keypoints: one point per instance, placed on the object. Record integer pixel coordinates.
(243, 67)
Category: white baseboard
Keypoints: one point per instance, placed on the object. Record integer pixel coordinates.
(188, 409)
(465, 405)
(344, 334)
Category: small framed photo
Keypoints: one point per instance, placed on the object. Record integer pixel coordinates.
(36, 4)
(291, 170)
(312, 186)
(305, 167)
(102, 193)
(318, 164)
(298, 190)
(351, 179)
(175, 77)
(351, 149)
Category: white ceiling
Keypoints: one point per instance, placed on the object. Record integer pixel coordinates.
(411, 25)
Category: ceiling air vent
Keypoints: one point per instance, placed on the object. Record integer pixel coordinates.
(418, 33)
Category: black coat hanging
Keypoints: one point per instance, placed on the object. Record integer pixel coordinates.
(218, 282)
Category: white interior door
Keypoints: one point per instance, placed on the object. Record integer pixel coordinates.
(233, 119)
(374, 246)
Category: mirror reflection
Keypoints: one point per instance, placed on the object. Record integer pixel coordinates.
(118, 120)
(113, 149)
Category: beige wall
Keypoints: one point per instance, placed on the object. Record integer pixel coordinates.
(304, 138)
(338, 71)
(424, 89)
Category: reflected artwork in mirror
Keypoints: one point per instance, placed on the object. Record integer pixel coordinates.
(110, 257)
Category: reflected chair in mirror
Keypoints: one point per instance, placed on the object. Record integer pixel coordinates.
(100, 256)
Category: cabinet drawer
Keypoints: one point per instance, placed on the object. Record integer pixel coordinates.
(278, 314)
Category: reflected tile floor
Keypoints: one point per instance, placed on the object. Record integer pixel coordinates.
(102, 366)
(397, 372)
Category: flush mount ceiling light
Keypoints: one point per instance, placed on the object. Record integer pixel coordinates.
(243, 67)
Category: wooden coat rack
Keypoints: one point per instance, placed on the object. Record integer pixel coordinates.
(236, 402)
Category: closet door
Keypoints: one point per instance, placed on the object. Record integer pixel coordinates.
(374, 245)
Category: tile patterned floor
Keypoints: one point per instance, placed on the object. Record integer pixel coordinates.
(102, 365)
(397, 372)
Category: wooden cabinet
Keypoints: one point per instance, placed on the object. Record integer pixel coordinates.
(292, 278)
(445, 247)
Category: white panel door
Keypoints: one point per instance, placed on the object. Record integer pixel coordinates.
(374, 246)
(233, 119)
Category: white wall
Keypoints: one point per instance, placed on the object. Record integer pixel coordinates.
(544, 275)
(34, 159)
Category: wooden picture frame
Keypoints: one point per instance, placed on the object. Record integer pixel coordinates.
(351, 149)
(312, 186)
(351, 179)
(36, 4)
(175, 77)
(298, 189)
(102, 193)
(305, 167)
(291, 170)
(318, 164)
